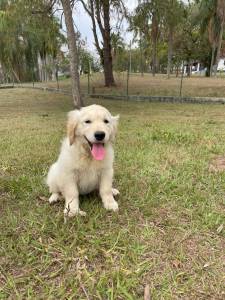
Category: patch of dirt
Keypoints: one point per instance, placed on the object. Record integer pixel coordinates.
(217, 164)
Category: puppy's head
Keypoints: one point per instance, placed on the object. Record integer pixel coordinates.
(95, 126)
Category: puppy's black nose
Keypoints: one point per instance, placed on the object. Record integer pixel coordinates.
(99, 135)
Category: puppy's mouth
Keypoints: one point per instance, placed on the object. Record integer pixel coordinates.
(97, 149)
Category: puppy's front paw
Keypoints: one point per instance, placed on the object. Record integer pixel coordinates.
(82, 213)
(111, 205)
(115, 192)
(54, 198)
(71, 213)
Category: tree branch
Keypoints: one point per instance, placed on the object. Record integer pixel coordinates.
(91, 12)
(98, 17)
(86, 8)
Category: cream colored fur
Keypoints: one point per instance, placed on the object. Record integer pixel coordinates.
(76, 171)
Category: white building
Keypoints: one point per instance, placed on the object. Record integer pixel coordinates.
(221, 65)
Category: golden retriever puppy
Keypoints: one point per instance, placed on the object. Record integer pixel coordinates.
(85, 162)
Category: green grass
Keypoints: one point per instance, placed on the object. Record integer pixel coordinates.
(167, 233)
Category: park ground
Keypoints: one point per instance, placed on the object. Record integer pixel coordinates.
(168, 233)
(151, 86)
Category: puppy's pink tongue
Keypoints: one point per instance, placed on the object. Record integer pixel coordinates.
(98, 151)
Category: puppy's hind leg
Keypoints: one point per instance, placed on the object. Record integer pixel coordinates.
(51, 181)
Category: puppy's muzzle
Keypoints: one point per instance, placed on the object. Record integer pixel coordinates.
(99, 135)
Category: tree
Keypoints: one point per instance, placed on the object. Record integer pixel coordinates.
(71, 38)
(99, 12)
(220, 11)
(118, 46)
(173, 12)
(212, 19)
(146, 21)
(87, 61)
(30, 41)
(190, 44)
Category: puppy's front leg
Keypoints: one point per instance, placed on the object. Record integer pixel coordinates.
(105, 190)
(71, 195)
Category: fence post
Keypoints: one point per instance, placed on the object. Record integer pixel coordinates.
(181, 81)
(88, 77)
(57, 76)
(128, 75)
(130, 58)
(141, 50)
(13, 79)
(33, 76)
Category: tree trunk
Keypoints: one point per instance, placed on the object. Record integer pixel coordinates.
(71, 36)
(212, 60)
(221, 15)
(177, 71)
(154, 39)
(190, 68)
(170, 51)
(54, 69)
(46, 67)
(107, 54)
(40, 68)
(16, 75)
(154, 59)
(218, 50)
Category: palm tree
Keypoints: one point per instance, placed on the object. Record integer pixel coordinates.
(221, 17)
(173, 11)
(117, 43)
(212, 18)
(146, 21)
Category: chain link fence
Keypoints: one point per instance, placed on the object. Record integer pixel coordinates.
(129, 84)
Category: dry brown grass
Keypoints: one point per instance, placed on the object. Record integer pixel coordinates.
(154, 86)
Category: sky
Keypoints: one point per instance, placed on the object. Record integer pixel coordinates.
(84, 25)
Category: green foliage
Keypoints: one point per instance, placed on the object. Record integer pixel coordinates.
(212, 20)
(26, 31)
(153, 21)
(190, 25)
(88, 62)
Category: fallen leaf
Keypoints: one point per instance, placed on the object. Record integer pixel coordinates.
(176, 263)
(42, 198)
(206, 265)
(220, 228)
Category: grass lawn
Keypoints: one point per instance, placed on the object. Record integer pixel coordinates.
(168, 233)
(153, 86)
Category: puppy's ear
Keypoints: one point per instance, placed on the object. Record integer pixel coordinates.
(73, 119)
(115, 125)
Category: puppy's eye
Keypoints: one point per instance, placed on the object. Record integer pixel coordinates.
(106, 121)
(87, 121)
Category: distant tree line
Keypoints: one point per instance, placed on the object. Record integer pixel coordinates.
(30, 40)
(167, 34)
